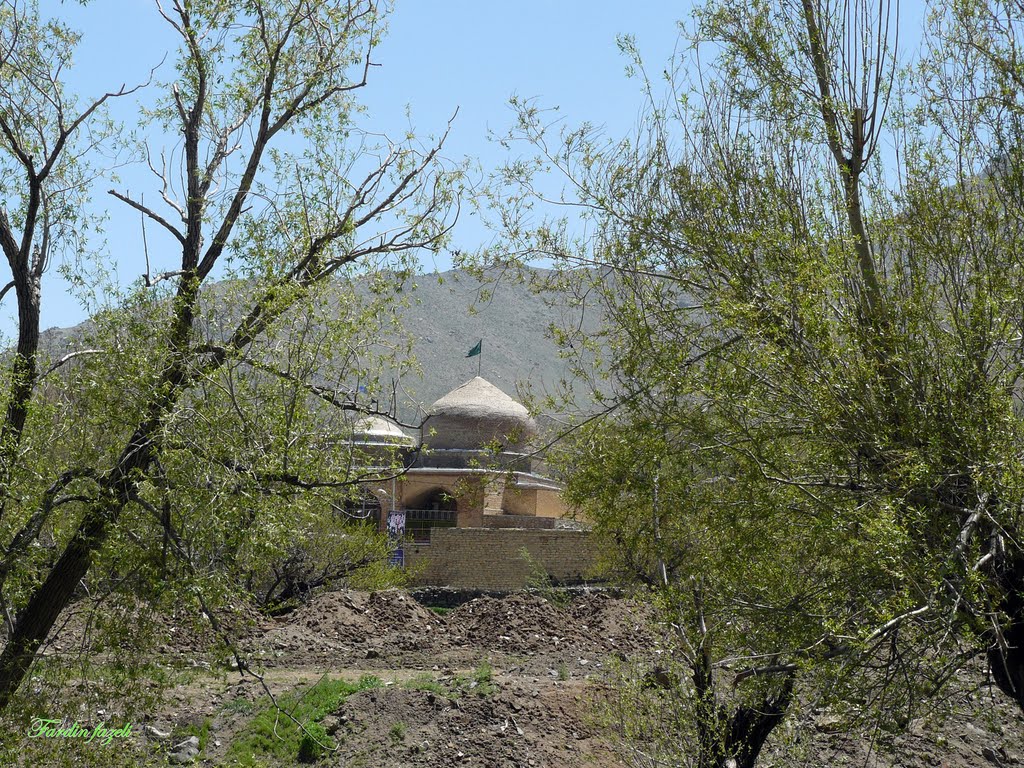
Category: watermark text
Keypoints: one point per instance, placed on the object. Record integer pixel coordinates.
(59, 729)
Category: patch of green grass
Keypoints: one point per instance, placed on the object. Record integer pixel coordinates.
(479, 681)
(483, 673)
(239, 706)
(272, 734)
(440, 610)
(202, 732)
(482, 676)
(425, 682)
(397, 733)
(313, 744)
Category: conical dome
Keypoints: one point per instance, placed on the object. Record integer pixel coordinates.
(475, 415)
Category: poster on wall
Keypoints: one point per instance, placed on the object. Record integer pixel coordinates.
(396, 533)
(396, 524)
(397, 559)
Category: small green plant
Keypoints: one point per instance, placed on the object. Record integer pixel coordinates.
(483, 672)
(482, 679)
(539, 580)
(311, 748)
(479, 681)
(397, 733)
(563, 671)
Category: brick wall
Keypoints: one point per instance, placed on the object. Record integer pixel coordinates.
(483, 558)
(517, 521)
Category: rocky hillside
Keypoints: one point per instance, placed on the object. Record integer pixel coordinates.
(447, 314)
(450, 312)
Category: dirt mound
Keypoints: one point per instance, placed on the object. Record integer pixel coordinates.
(346, 625)
(594, 624)
(94, 625)
(517, 623)
(358, 616)
(495, 682)
(395, 610)
(516, 726)
(612, 623)
(336, 615)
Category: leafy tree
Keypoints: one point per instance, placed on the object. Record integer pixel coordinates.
(809, 263)
(199, 426)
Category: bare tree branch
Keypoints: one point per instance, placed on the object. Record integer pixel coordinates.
(149, 212)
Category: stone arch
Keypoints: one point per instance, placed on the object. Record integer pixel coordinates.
(435, 498)
(435, 507)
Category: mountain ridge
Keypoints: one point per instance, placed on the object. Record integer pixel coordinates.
(446, 314)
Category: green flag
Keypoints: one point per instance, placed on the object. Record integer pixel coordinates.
(476, 350)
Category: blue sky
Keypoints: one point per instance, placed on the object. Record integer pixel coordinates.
(439, 55)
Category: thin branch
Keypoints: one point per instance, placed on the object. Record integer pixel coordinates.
(66, 358)
(896, 622)
(147, 211)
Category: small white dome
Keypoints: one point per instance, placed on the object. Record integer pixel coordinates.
(375, 429)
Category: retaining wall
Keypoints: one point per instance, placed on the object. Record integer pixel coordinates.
(491, 559)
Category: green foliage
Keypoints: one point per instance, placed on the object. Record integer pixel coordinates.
(273, 732)
(94, 667)
(191, 445)
(70, 753)
(481, 681)
(310, 749)
(483, 672)
(200, 731)
(239, 706)
(811, 356)
(538, 580)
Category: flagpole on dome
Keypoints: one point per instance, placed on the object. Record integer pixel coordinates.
(477, 352)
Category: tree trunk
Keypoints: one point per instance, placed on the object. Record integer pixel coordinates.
(35, 622)
(1006, 650)
(735, 741)
(23, 380)
(750, 727)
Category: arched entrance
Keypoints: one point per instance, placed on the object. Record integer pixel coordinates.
(435, 508)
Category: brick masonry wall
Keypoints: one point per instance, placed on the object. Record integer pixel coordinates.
(518, 521)
(482, 558)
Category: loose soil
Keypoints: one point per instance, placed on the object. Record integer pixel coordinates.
(495, 682)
